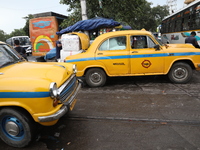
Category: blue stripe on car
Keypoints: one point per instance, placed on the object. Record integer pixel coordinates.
(133, 56)
(24, 94)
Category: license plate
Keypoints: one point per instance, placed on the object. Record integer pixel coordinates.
(72, 105)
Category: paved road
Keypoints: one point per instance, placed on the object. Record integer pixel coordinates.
(129, 113)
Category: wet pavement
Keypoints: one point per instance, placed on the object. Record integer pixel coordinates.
(128, 113)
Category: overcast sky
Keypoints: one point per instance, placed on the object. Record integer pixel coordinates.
(12, 12)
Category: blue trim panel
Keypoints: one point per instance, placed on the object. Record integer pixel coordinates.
(134, 56)
(24, 94)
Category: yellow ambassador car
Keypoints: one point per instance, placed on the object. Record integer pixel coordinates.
(135, 53)
(32, 93)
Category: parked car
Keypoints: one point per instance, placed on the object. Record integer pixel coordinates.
(135, 53)
(32, 93)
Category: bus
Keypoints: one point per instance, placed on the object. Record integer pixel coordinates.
(24, 42)
(177, 26)
(43, 28)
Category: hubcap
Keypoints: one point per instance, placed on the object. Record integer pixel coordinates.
(12, 128)
(96, 77)
(180, 73)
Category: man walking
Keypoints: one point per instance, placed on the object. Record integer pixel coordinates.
(192, 40)
(20, 49)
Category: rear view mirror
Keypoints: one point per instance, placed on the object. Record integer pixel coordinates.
(157, 47)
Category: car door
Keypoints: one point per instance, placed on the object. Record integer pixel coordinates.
(145, 59)
(114, 54)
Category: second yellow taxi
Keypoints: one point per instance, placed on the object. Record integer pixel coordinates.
(135, 53)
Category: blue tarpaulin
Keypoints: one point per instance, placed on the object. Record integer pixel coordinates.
(90, 24)
(51, 54)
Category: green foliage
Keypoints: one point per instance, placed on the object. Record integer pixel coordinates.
(17, 32)
(26, 27)
(136, 13)
(72, 19)
(3, 36)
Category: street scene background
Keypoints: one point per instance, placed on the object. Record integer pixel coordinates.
(128, 113)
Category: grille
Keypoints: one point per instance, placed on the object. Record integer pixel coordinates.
(67, 88)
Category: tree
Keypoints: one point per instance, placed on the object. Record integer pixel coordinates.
(26, 27)
(136, 13)
(72, 18)
(17, 32)
(3, 36)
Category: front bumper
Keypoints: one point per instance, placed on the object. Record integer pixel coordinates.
(64, 109)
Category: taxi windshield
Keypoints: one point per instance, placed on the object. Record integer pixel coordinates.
(158, 39)
(8, 56)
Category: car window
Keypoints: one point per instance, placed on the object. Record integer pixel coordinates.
(151, 43)
(7, 55)
(141, 42)
(138, 42)
(116, 43)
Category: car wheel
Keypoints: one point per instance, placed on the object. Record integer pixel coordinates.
(95, 77)
(17, 128)
(180, 73)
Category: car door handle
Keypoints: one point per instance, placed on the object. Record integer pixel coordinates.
(134, 51)
(100, 54)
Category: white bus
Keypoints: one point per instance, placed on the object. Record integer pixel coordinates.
(24, 42)
(177, 26)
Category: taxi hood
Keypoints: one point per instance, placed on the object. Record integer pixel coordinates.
(180, 46)
(35, 73)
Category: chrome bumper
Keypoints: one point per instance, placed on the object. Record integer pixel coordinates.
(64, 109)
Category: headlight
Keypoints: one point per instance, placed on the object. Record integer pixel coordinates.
(74, 69)
(54, 90)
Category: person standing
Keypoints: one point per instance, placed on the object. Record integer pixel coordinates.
(58, 48)
(20, 49)
(192, 40)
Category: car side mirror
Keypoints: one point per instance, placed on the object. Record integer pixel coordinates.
(157, 47)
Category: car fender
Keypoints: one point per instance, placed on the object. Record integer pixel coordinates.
(186, 60)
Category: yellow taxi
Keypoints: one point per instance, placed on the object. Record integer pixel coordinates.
(135, 53)
(32, 93)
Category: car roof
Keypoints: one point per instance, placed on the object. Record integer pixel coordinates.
(2, 42)
(122, 33)
(139, 32)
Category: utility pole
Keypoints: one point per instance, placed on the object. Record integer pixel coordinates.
(83, 10)
(84, 13)
(100, 3)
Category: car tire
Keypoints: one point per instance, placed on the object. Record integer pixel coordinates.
(17, 127)
(95, 77)
(180, 73)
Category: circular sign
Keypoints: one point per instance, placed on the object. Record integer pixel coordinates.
(146, 63)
